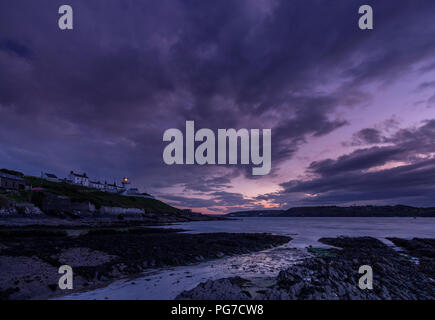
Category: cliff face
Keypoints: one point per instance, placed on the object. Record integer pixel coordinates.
(66, 200)
(62, 201)
(79, 194)
(10, 208)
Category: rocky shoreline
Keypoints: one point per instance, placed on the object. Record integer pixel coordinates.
(102, 251)
(30, 256)
(332, 274)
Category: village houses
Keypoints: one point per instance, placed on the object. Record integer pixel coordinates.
(83, 180)
(10, 180)
(96, 185)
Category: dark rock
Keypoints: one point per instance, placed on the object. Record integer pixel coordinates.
(132, 251)
(336, 276)
(228, 288)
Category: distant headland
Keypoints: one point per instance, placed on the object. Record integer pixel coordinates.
(337, 211)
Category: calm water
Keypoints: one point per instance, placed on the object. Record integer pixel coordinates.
(306, 231)
(167, 283)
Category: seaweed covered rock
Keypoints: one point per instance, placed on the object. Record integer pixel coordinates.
(228, 289)
(333, 274)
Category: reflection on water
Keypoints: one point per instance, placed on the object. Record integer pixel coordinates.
(167, 283)
(306, 231)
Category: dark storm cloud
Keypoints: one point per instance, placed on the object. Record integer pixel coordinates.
(99, 98)
(309, 116)
(211, 183)
(410, 181)
(16, 48)
(188, 201)
(367, 136)
(357, 160)
(404, 145)
(219, 198)
(348, 179)
(224, 198)
(416, 140)
(233, 201)
(426, 85)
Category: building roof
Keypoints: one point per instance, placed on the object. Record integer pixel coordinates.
(78, 175)
(50, 175)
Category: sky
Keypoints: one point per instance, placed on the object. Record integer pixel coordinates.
(352, 112)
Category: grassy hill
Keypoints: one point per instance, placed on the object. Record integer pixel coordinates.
(98, 198)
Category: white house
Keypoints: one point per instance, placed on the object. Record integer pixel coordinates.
(81, 179)
(96, 185)
(113, 188)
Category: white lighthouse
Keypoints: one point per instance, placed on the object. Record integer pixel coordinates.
(125, 183)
